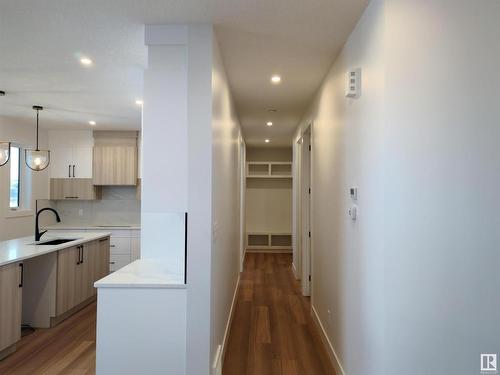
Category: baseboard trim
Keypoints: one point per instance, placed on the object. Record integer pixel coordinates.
(221, 352)
(326, 341)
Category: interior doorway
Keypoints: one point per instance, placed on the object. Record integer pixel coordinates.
(305, 211)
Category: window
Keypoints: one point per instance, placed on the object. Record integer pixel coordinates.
(15, 178)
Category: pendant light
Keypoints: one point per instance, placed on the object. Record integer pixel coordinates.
(4, 153)
(37, 159)
(4, 147)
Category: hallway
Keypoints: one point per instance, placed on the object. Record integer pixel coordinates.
(272, 330)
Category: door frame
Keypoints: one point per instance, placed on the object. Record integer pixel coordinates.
(305, 210)
(243, 188)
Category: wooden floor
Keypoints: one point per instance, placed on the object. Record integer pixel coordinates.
(68, 348)
(272, 330)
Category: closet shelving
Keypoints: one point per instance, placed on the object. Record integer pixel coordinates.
(268, 192)
(269, 241)
(272, 169)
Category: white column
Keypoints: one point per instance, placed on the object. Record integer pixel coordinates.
(165, 145)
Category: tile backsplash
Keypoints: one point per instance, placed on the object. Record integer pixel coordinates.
(118, 206)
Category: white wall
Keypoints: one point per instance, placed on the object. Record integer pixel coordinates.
(412, 284)
(225, 201)
(347, 269)
(442, 183)
(35, 184)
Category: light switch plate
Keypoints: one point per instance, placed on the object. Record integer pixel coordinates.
(353, 212)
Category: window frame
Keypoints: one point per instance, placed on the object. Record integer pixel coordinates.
(19, 177)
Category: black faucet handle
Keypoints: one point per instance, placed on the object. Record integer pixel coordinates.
(42, 233)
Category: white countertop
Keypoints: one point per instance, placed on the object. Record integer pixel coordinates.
(143, 273)
(24, 248)
(91, 226)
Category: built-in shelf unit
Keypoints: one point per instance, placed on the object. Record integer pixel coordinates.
(268, 200)
(272, 169)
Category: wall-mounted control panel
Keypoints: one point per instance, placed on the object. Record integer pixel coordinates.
(353, 83)
(352, 211)
(353, 191)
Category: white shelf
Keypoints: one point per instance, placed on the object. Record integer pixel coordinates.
(268, 241)
(271, 169)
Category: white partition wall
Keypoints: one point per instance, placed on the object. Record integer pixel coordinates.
(164, 145)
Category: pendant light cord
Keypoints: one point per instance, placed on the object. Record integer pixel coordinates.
(37, 130)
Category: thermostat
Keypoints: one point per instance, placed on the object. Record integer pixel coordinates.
(353, 191)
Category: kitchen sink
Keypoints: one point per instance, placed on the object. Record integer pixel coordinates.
(58, 241)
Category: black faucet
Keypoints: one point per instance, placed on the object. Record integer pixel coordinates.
(39, 234)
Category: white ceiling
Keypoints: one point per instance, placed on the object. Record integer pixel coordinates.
(41, 42)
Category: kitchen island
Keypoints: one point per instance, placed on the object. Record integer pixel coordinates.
(42, 283)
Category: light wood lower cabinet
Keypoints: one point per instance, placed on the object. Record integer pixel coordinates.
(11, 296)
(67, 279)
(103, 255)
(78, 268)
(74, 189)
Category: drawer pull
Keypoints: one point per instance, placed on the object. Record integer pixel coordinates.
(112, 262)
(111, 245)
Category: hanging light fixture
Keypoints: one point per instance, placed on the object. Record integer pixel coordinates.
(4, 147)
(4, 153)
(37, 159)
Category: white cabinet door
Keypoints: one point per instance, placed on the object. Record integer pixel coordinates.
(71, 153)
(60, 162)
(82, 160)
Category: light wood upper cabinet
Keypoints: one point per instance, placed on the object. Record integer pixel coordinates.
(70, 154)
(11, 296)
(74, 189)
(115, 158)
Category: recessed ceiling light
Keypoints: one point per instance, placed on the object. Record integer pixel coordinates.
(92, 122)
(269, 123)
(275, 79)
(139, 102)
(86, 61)
(267, 141)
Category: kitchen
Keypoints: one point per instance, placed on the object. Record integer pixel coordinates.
(67, 225)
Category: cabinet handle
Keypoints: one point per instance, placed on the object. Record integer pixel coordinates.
(82, 254)
(22, 275)
(78, 259)
(73, 170)
(71, 197)
(112, 262)
(111, 245)
(69, 170)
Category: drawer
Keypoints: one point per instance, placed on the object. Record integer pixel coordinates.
(118, 261)
(120, 245)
